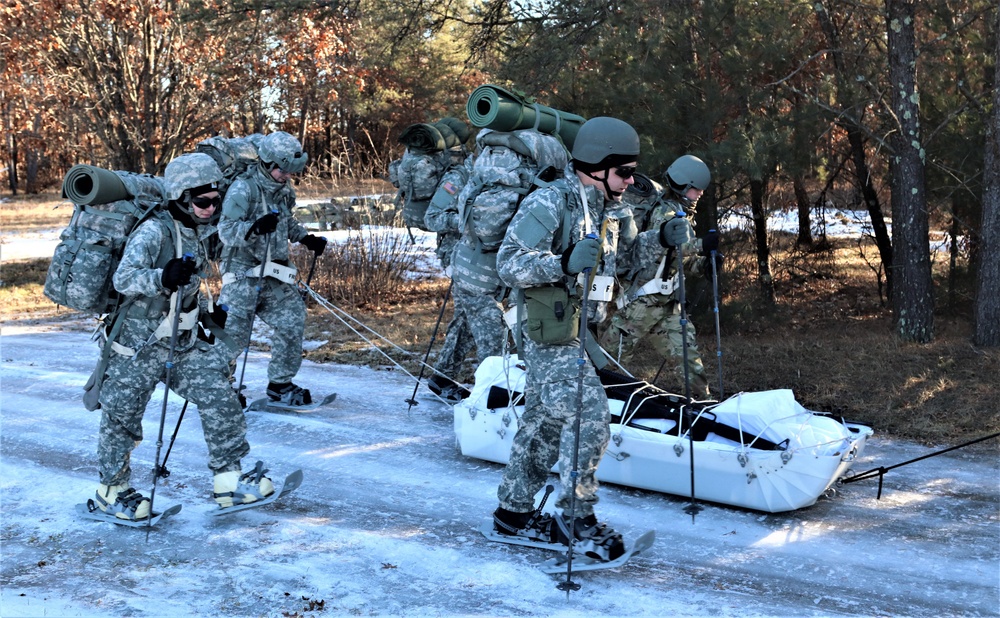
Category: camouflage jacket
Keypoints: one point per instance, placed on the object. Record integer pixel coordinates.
(139, 278)
(645, 252)
(249, 198)
(548, 222)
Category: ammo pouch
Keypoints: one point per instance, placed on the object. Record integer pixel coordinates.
(553, 315)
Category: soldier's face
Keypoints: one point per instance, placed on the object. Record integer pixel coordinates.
(280, 175)
(618, 179)
(205, 205)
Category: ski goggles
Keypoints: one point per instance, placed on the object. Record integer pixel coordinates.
(625, 172)
(207, 202)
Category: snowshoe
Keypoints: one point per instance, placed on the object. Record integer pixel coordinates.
(288, 394)
(122, 501)
(233, 488)
(595, 540)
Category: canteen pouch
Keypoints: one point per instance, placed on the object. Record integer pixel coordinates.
(553, 316)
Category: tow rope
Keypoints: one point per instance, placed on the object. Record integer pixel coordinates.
(880, 471)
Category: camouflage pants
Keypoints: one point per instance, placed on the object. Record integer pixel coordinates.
(281, 307)
(477, 321)
(657, 322)
(199, 375)
(546, 431)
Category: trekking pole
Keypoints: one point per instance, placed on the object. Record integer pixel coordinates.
(693, 508)
(174, 328)
(253, 314)
(718, 335)
(581, 361)
(413, 398)
(161, 469)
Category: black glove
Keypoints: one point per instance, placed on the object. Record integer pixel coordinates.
(710, 242)
(265, 225)
(177, 272)
(316, 244)
(706, 266)
(219, 315)
(581, 256)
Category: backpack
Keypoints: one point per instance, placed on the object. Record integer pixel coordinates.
(234, 155)
(108, 206)
(417, 175)
(509, 166)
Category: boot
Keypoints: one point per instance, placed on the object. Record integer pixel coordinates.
(289, 394)
(595, 540)
(122, 501)
(235, 488)
(534, 526)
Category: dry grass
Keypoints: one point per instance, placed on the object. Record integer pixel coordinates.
(828, 337)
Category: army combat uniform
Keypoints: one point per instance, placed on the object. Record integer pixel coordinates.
(279, 303)
(478, 316)
(650, 310)
(200, 372)
(548, 222)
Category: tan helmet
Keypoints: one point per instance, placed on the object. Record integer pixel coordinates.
(283, 150)
(190, 171)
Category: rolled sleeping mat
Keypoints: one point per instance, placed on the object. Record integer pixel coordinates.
(492, 107)
(89, 185)
(422, 137)
(144, 187)
(450, 139)
(460, 129)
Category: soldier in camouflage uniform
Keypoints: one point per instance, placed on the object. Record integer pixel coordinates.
(550, 241)
(652, 310)
(149, 276)
(256, 227)
(477, 319)
(442, 215)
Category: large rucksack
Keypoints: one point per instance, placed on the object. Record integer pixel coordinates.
(108, 206)
(234, 155)
(509, 166)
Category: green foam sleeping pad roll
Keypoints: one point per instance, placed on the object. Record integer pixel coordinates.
(492, 107)
(89, 185)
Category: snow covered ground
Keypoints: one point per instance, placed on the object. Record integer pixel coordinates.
(385, 523)
(386, 520)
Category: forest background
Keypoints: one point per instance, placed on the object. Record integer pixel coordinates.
(886, 108)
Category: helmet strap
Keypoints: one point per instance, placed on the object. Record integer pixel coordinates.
(611, 195)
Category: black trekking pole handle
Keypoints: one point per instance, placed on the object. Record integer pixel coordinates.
(312, 269)
(174, 335)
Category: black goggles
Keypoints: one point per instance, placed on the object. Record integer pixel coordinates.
(625, 172)
(207, 202)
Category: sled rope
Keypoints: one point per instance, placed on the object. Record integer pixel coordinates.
(343, 316)
(881, 470)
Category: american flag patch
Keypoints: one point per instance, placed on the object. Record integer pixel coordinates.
(449, 187)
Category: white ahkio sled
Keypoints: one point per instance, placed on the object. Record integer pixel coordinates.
(762, 451)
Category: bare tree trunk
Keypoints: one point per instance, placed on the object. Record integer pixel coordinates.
(805, 237)
(987, 331)
(757, 191)
(913, 289)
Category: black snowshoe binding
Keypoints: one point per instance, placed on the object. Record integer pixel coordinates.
(446, 389)
(595, 540)
(534, 526)
(289, 394)
(129, 504)
(233, 488)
